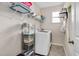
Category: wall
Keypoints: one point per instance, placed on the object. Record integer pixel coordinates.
(35, 8)
(10, 29)
(57, 35)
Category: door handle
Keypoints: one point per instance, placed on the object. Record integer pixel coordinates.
(71, 42)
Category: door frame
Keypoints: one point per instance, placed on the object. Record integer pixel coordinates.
(69, 48)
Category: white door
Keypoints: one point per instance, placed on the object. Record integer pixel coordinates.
(76, 40)
(74, 30)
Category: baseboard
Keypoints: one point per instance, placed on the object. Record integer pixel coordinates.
(57, 44)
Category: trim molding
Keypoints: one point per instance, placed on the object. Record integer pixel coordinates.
(57, 44)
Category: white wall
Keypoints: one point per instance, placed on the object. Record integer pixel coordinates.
(10, 29)
(58, 37)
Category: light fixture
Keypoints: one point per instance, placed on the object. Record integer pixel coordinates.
(19, 7)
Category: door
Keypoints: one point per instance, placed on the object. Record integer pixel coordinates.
(74, 30)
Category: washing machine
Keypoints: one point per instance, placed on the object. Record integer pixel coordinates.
(43, 42)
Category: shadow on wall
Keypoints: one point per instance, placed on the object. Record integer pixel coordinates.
(10, 40)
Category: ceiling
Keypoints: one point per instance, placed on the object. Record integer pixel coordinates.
(48, 4)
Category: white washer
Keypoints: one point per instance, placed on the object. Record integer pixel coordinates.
(42, 42)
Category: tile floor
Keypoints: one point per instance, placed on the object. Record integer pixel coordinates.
(56, 51)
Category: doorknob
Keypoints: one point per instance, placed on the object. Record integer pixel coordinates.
(72, 42)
